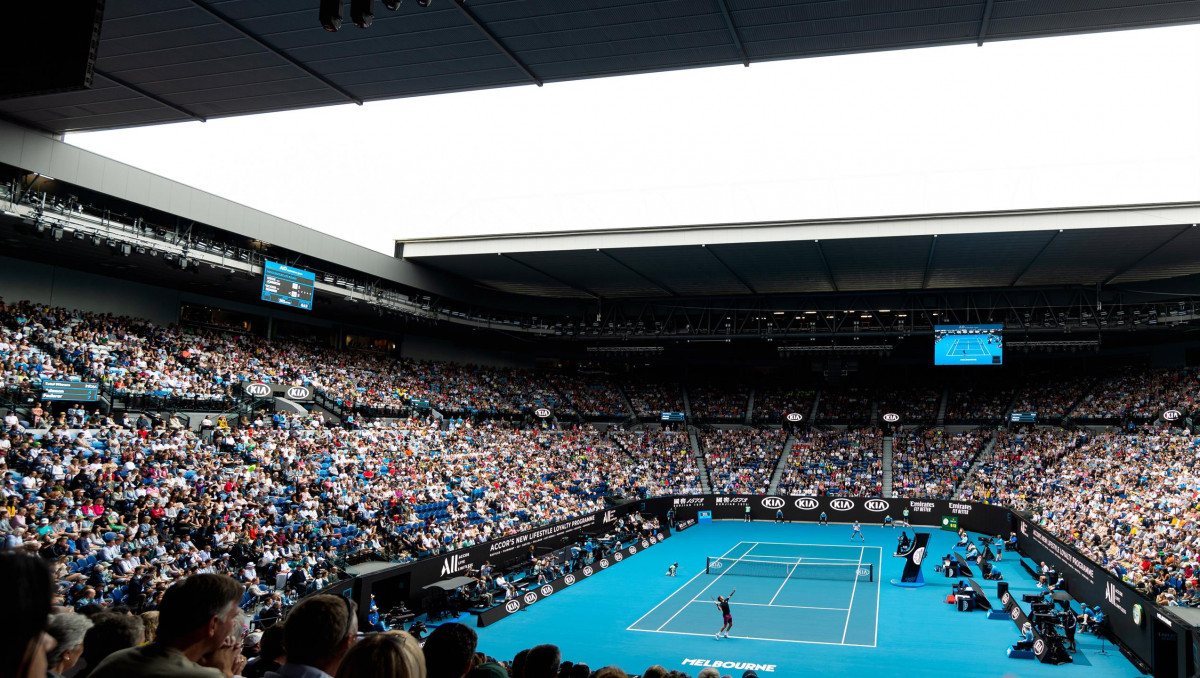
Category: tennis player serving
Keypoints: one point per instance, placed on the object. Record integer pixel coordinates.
(726, 615)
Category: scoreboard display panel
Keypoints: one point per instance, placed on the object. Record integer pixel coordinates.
(288, 286)
(968, 345)
(70, 390)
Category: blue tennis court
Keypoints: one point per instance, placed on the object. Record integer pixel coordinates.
(786, 592)
(634, 616)
(952, 350)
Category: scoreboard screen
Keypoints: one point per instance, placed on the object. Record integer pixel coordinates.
(968, 345)
(1023, 417)
(288, 286)
(70, 390)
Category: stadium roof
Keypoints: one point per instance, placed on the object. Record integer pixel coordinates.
(179, 60)
(1029, 248)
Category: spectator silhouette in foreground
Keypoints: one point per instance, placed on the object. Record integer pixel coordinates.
(394, 654)
(110, 632)
(450, 651)
(197, 618)
(25, 590)
(68, 631)
(316, 636)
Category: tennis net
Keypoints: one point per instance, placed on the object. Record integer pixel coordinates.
(749, 567)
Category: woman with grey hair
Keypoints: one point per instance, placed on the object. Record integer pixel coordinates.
(67, 630)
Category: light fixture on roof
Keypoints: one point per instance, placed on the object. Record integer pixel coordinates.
(362, 12)
(331, 15)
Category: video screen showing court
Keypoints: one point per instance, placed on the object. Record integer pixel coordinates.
(968, 345)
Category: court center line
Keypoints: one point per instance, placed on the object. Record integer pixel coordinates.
(878, 594)
(785, 581)
(853, 589)
(769, 640)
(714, 581)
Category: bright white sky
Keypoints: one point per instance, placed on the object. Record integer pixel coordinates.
(1091, 120)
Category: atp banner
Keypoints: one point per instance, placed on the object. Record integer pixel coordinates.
(534, 594)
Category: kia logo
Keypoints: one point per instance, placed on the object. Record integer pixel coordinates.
(530, 598)
(841, 504)
(794, 416)
(542, 412)
(604, 563)
(587, 571)
(569, 579)
(1039, 646)
(1172, 415)
(258, 389)
(773, 502)
(1016, 613)
(546, 590)
(1006, 598)
(875, 505)
(864, 571)
(512, 606)
(891, 417)
(645, 544)
(807, 503)
(617, 557)
(918, 556)
(299, 392)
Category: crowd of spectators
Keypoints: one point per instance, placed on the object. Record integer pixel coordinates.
(662, 461)
(741, 460)
(1051, 396)
(649, 399)
(772, 404)
(198, 631)
(1133, 393)
(592, 395)
(978, 403)
(845, 405)
(914, 404)
(719, 403)
(835, 463)
(931, 462)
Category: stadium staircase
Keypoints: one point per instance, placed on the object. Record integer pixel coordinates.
(941, 415)
(700, 463)
(749, 409)
(687, 404)
(1012, 403)
(983, 454)
(628, 403)
(875, 412)
(779, 467)
(887, 465)
(812, 414)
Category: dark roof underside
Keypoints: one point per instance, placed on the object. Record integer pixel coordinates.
(176, 60)
(1087, 257)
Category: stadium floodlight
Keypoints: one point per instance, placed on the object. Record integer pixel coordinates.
(392, 5)
(331, 15)
(362, 12)
(423, 3)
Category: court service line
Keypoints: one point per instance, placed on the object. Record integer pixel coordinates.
(660, 604)
(853, 589)
(826, 546)
(714, 581)
(769, 640)
(794, 607)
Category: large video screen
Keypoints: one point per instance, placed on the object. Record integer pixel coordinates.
(288, 286)
(968, 345)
